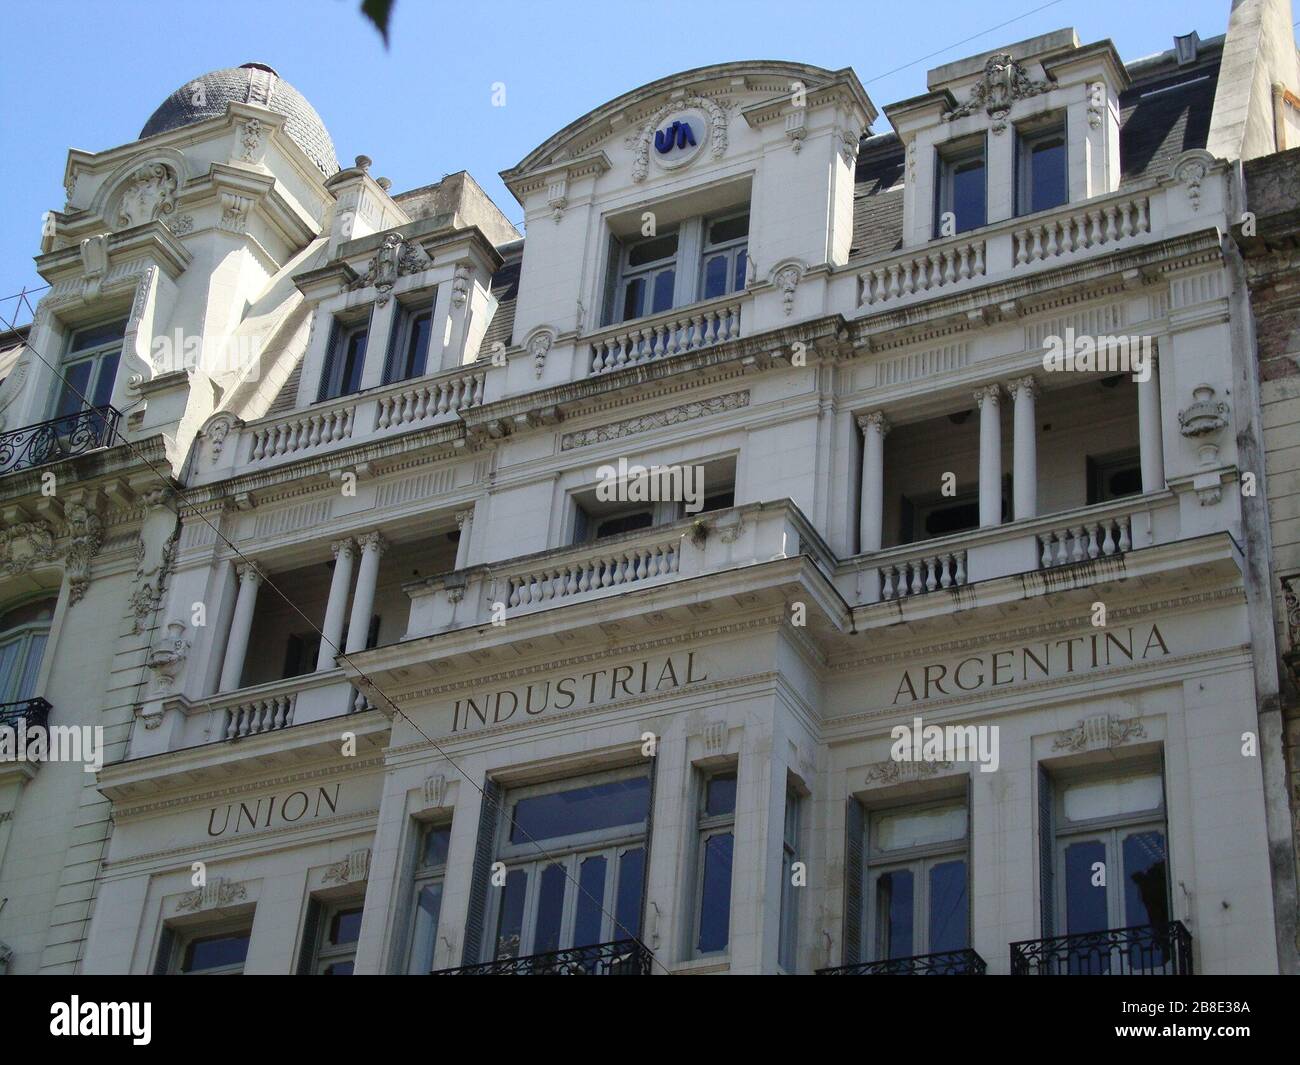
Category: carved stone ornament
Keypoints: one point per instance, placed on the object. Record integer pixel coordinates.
(714, 734)
(1098, 732)
(656, 420)
(217, 431)
(1003, 82)
(460, 286)
(435, 790)
(640, 140)
(218, 891)
(250, 141)
(149, 193)
(849, 143)
(538, 348)
(396, 258)
(26, 546)
(166, 660)
(1204, 415)
(234, 212)
(356, 866)
(86, 533)
(892, 771)
(787, 280)
(1292, 602)
(1190, 172)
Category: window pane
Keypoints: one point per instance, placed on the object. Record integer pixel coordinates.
(97, 336)
(1146, 883)
(354, 359)
(739, 282)
(9, 681)
(585, 809)
(339, 968)
(510, 925)
(417, 346)
(720, 795)
(968, 193)
(715, 276)
(345, 927)
(715, 894)
(105, 377)
(914, 828)
(728, 229)
(211, 952)
(895, 894)
(591, 902)
(1085, 904)
(1109, 798)
(437, 842)
(633, 298)
(651, 251)
(663, 297)
(76, 382)
(550, 910)
(948, 906)
(1047, 173)
(425, 936)
(627, 900)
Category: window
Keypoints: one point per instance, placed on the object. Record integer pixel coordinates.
(917, 881)
(344, 360)
(212, 952)
(717, 824)
(339, 927)
(789, 893)
(649, 276)
(587, 889)
(1114, 476)
(409, 354)
(961, 188)
(431, 868)
(89, 369)
(725, 246)
(1041, 180)
(1111, 861)
(24, 632)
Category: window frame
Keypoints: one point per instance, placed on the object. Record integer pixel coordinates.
(650, 271)
(426, 876)
(333, 377)
(24, 634)
(1027, 135)
(186, 937)
(788, 929)
(732, 249)
(325, 954)
(403, 329)
(708, 826)
(947, 159)
(96, 355)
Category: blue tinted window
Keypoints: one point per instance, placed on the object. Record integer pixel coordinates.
(590, 907)
(720, 795)
(895, 895)
(968, 193)
(1046, 173)
(437, 842)
(584, 809)
(550, 909)
(627, 903)
(715, 896)
(510, 923)
(948, 906)
(1085, 903)
(345, 927)
(212, 952)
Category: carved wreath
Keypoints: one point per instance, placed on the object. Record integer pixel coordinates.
(639, 141)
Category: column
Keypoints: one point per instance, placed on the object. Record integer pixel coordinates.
(989, 399)
(337, 607)
(874, 426)
(363, 599)
(465, 522)
(1150, 436)
(1024, 391)
(232, 667)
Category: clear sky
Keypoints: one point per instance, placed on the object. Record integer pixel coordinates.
(88, 73)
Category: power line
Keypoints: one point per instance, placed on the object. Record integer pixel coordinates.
(170, 483)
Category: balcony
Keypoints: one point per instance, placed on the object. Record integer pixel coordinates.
(623, 957)
(1146, 950)
(700, 325)
(945, 963)
(25, 713)
(59, 438)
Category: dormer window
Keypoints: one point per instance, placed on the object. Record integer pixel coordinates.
(409, 354)
(1040, 168)
(344, 360)
(89, 369)
(962, 189)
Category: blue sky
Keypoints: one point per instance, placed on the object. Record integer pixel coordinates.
(423, 108)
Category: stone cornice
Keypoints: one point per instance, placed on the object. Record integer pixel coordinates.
(149, 244)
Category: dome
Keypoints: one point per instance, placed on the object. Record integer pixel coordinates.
(252, 83)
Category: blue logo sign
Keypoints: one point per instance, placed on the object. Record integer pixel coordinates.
(678, 135)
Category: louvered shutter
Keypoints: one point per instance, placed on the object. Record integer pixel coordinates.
(476, 917)
(310, 933)
(396, 328)
(854, 833)
(331, 358)
(1046, 849)
(166, 944)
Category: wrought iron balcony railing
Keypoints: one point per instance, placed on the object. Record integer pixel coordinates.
(59, 438)
(945, 963)
(623, 957)
(1146, 950)
(35, 712)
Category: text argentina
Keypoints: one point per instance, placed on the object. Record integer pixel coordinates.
(1097, 650)
(583, 689)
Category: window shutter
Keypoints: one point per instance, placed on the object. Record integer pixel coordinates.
(166, 943)
(310, 933)
(331, 358)
(854, 831)
(475, 918)
(645, 867)
(1046, 849)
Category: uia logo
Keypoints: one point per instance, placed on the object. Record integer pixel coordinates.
(678, 135)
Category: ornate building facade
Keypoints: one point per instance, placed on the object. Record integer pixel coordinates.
(811, 548)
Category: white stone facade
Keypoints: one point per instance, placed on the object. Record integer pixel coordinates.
(381, 594)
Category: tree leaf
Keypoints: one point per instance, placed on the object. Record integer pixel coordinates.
(379, 12)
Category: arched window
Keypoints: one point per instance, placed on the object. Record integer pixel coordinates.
(24, 631)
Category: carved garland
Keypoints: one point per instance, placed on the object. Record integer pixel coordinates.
(639, 142)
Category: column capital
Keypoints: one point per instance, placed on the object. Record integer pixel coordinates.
(373, 541)
(991, 393)
(463, 516)
(874, 420)
(1029, 384)
(346, 546)
(250, 573)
